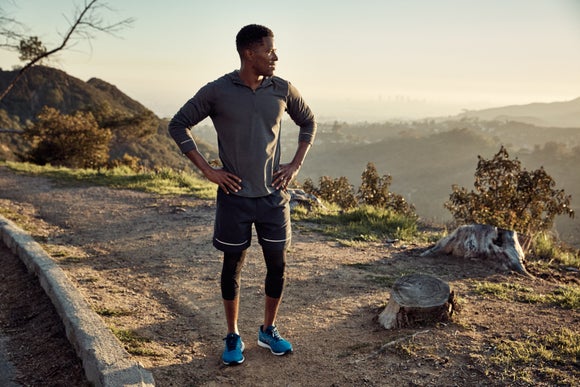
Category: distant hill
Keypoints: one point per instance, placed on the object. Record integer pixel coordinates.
(46, 86)
(557, 114)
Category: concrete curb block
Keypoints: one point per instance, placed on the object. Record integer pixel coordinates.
(105, 361)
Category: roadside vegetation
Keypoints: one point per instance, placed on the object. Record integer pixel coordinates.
(163, 181)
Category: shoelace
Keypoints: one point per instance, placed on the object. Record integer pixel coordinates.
(231, 342)
(275, 334)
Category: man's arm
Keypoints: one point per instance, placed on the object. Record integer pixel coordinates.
(194, 111)
(303, 117)
(288, 172)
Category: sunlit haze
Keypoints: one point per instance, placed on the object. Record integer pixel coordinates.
(351, 60)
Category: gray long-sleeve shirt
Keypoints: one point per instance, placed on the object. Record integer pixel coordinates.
(248, 125)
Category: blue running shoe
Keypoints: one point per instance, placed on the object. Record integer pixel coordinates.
(272, 340)
(233, 353)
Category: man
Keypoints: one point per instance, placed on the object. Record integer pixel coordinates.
(246, 107)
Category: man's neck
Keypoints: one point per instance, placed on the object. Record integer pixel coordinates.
(250, 79)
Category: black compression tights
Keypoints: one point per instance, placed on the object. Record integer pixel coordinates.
(232, 269)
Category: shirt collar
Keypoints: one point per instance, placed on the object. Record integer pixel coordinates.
(235, 76)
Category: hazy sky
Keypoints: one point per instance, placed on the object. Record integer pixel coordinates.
(351, 60)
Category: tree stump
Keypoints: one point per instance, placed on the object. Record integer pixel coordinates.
(485, 242)
(418, 299)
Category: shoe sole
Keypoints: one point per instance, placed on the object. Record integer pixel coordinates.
(266, 345)
(234, 363)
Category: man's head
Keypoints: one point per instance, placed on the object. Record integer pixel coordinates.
(250, 36)
(255, 45)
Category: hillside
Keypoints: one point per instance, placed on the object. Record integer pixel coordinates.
(46, 86)
(559, 114)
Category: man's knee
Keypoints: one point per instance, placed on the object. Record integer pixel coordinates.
(275, 277)
(231, 274)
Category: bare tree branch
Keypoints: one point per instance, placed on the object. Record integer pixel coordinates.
(8, 30)
(86, 20)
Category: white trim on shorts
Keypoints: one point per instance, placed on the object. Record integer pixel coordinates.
(275, 240)
(231, 244)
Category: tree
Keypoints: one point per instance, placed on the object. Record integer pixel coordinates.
(86, 20)
(31, 48)
(74, 141)
(9, 31)
(509, 197)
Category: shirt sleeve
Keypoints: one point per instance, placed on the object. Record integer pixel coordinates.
(193, 112)
(301, 114)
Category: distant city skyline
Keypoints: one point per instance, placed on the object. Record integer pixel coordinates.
(366, 60)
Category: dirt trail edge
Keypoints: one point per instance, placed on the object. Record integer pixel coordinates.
(145, 264)
(105, 362)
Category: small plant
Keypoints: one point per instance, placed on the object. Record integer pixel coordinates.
(374, 191)
(338, 191)
(134, 344)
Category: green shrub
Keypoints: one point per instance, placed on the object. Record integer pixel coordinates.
(338, 191)
(74, 141)
(509, 197)
(374, 191)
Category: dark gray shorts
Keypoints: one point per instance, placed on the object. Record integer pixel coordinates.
(236, 214)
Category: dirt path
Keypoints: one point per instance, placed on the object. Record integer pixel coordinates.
(34, 350)
(146, 264)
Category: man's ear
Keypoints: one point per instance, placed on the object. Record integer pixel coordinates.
(248, 54)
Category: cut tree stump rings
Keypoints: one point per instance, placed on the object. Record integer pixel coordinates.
(418, 300)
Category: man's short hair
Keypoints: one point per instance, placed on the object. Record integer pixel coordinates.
(250, 35)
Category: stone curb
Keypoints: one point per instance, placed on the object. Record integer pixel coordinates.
(105, 361)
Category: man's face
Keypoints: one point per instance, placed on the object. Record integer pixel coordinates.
(264, 57)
